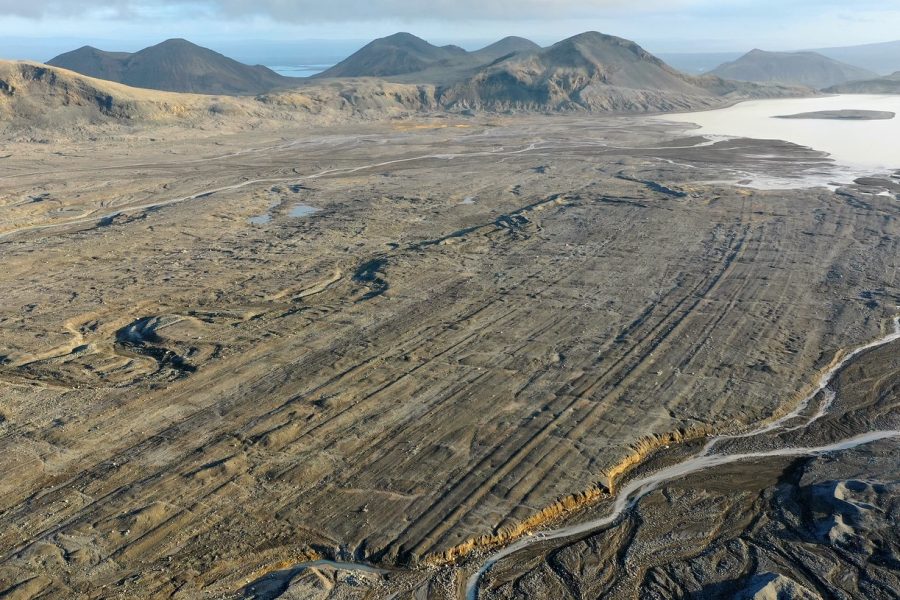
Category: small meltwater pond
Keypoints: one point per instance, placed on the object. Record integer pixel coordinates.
(302, 210)
(296, 210)
(858, 147)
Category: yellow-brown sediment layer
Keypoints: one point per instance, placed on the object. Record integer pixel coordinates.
(641, 450)
(571, 503)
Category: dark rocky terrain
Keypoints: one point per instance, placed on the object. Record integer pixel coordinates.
(176, 66)
(791, 68)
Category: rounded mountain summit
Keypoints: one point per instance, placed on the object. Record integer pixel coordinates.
(175, 65)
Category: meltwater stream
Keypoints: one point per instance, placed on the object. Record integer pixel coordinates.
(630, 494)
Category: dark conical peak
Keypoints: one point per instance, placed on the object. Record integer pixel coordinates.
(506, 48)
(453, 48)
(594, 46)
(408, 41)
(92, 51)
(514, 39)
(512, 42)
(402, 38)
(754, 55)
(177, 45)
(597, 40)
(177, 42)
(593, 37)
(401, 35)
(586, 36)
(403, 41)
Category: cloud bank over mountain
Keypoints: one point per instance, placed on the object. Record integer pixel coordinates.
(663, 25)
(355, 10)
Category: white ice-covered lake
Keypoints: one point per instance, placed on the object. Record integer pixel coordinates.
(858, 147)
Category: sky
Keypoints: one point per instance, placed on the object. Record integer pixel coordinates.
(39, 29)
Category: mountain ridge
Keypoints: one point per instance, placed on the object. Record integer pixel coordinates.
(175, 65)
(406, 55)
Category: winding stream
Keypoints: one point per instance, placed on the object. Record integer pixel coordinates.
(630, 494)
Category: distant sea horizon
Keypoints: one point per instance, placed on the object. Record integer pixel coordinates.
(304, 70)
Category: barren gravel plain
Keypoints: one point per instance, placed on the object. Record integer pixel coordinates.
(354, 362)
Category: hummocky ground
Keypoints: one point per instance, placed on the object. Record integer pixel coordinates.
(485, 325)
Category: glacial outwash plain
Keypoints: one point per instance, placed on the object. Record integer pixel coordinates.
(377, 338)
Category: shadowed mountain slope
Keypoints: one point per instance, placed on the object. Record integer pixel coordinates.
(175, 66)
(398, 54)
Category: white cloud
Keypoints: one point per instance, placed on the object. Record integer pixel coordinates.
(337, 10)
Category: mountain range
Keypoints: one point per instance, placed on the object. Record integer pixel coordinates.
(593, 71)
(405, 57)
(390, 77)
(590, 71)
(791, 68)
(176, 66)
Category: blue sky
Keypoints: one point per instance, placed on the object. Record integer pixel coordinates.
(659, 25)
